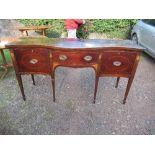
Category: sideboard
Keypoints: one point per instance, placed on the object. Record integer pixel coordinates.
(114, 58)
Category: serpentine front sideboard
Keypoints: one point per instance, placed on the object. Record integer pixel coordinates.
(114, 58)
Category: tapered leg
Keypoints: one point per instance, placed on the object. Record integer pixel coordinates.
(118, 78)
(96, 86)
(33, 79)
(53, 86)
(3, 57)
(4, 65)
(43, 32)
(27, 33)
(4, 73)
(19, 79)
(127, 89)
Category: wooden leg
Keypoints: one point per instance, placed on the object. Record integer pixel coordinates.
(53, 86)
(43, 33)
(33, 79)
(127, 89)
(4, 73)
(96, 86)
(5, 65)
(26, 33)
(3, 57)
(118, 78)
(19, 79)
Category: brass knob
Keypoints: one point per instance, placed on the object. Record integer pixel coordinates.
(88, 58)
(33, 61)
(117, 63)
(63, 57)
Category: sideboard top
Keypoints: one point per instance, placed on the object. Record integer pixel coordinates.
(73, 43)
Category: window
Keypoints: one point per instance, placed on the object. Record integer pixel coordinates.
(149, 21)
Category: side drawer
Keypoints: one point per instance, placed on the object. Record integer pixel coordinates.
(35, 60)
(118, 62)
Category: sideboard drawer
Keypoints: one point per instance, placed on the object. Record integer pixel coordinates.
(118, 63)
(35, 60)
(75, 58)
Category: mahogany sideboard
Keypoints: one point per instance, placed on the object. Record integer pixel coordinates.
(114, 58)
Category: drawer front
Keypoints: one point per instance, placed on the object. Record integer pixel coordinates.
(33, 60)
(118, 62)
(75, 58)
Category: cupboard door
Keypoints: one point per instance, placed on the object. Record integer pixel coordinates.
(118, 63)
(36, 60)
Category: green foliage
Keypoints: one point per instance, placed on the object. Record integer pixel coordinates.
(120, 28)
(8, 59)
(92, 25)
(109, 25)
(7, 55)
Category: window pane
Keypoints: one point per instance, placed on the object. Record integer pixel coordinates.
(152, 22)
(149, 21)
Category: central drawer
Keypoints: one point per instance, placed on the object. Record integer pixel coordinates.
(75, 58)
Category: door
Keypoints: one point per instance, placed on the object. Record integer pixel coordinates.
(33, 60)
(117, 63)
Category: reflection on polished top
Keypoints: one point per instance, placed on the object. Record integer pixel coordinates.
(73, 43)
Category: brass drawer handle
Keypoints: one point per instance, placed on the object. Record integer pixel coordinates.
(33, 61)
(117, 63)
(88, 58)
(63, 57)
